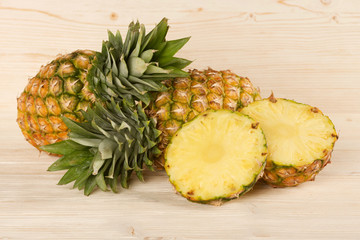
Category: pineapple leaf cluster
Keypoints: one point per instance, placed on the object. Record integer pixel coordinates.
(117, 137)
(132, 68)
(113, 142)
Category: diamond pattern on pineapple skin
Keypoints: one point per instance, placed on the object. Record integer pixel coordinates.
(57, 124)
(45, 125)
(199, 103)
(39, 105)
(53, 106)
(81, 62)
(55, 86)
(43, 89)
(30, 105)
(21, 102)
(48, 71)
(66, 69)
(35, 86)
(41, 109)
(181, 95)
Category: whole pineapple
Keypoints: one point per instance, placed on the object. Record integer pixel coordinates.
(59, 89)
(201, 91)
(114, 87)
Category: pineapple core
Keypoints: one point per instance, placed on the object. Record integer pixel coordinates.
(216, 155)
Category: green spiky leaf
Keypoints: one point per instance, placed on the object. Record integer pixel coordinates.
(73, 173)
(172, 47)
(69, 160)
(63, 147)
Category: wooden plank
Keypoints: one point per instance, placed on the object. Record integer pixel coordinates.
(304, 50)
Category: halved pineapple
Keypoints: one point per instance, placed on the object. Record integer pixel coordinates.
(300, 140)
(217, 156)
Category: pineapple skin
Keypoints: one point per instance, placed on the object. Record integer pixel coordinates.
(59, 89)
(201, 91)
(220, 200)
(278, 175)
(292, 176)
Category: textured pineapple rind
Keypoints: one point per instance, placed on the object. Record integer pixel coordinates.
(293, 175)
(219, 200)
(300, 175)
(65, 70)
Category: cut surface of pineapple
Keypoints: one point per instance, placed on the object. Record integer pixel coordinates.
(218, 155)
(300, 139)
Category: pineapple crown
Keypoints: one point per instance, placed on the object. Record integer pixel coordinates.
(114, 141)
(130, 69)
(118, 138)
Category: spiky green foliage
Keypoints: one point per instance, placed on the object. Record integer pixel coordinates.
(118, 138)
(113, 142)
(130, 69)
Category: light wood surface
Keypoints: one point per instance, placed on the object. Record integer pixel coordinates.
(307, 50)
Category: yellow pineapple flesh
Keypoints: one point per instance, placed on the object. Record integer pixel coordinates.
(201, 91)
(59, 89)
(217, 156)
(300, 140)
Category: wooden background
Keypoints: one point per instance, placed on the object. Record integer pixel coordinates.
(307, 50)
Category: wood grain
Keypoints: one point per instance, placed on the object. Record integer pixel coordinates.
(307, 50)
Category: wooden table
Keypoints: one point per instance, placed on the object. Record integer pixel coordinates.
(304, 50)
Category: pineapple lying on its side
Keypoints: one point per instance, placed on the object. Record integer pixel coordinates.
(114, 137)
(61, 89)
(300, 140)
(215, 157)
(73, 82)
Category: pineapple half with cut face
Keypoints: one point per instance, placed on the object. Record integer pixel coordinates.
(190, 96)
(217, 156)
(300, 140)
(59, 89)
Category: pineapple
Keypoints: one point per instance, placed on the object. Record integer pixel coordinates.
(184, 99)
(202, 90)
(114, 137)
(300, 140)
(60, 88)
(216, 157)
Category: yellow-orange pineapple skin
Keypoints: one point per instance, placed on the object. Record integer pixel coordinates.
(59, 89)
(201, 91)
